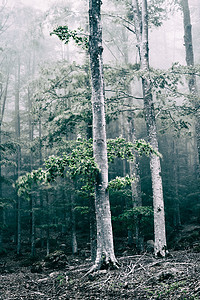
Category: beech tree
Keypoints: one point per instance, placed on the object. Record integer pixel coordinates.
(192, 85)
(105, 248)
(141, 30)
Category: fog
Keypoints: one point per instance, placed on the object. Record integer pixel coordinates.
(46, 111)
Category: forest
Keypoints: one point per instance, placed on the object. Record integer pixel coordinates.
(99, 149)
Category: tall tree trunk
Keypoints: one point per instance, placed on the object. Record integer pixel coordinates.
(47, 224)
(93, 230)
(192, 79)
(105, 256)
(32, 226)
(32, 208)
(42, 233)
(176, 216)
(2, 110)
(92, 216)
(18, 162)
(136, 184)
(73, 225)
(141, 23)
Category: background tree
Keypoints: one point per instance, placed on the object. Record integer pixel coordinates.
(141, 28)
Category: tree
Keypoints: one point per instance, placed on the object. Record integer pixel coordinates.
(190, 63)
(3, 98)
(105, 255)
(141, 29)
(18, 154)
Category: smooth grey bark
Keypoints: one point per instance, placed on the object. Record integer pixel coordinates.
(192, 85)
(105, 256)
(141, 28)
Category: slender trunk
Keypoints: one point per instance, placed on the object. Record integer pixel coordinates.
(18, 160)
(158, 202)
(31, 128)
(32, 208)
(42, 233)
(32, 226)
(47, 225)
(93, 231)
(192, 85)
(105, 256)
(73, 225)
(92, 216)
(40, 142)
(177, 218)
(1, 208)
(133, 166)
(135, 185)
(123, 125)
(2, 110)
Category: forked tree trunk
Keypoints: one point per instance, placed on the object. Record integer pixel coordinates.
(141, 23)
(105, 256)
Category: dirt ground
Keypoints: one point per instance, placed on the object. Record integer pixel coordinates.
(139, 277)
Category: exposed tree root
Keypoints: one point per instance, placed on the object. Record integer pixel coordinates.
(103, 264)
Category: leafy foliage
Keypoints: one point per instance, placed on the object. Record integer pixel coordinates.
(79, 162)
(139, 215)
(120, 182)
(64, 34)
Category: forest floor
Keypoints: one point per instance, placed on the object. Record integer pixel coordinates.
(139, 277)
